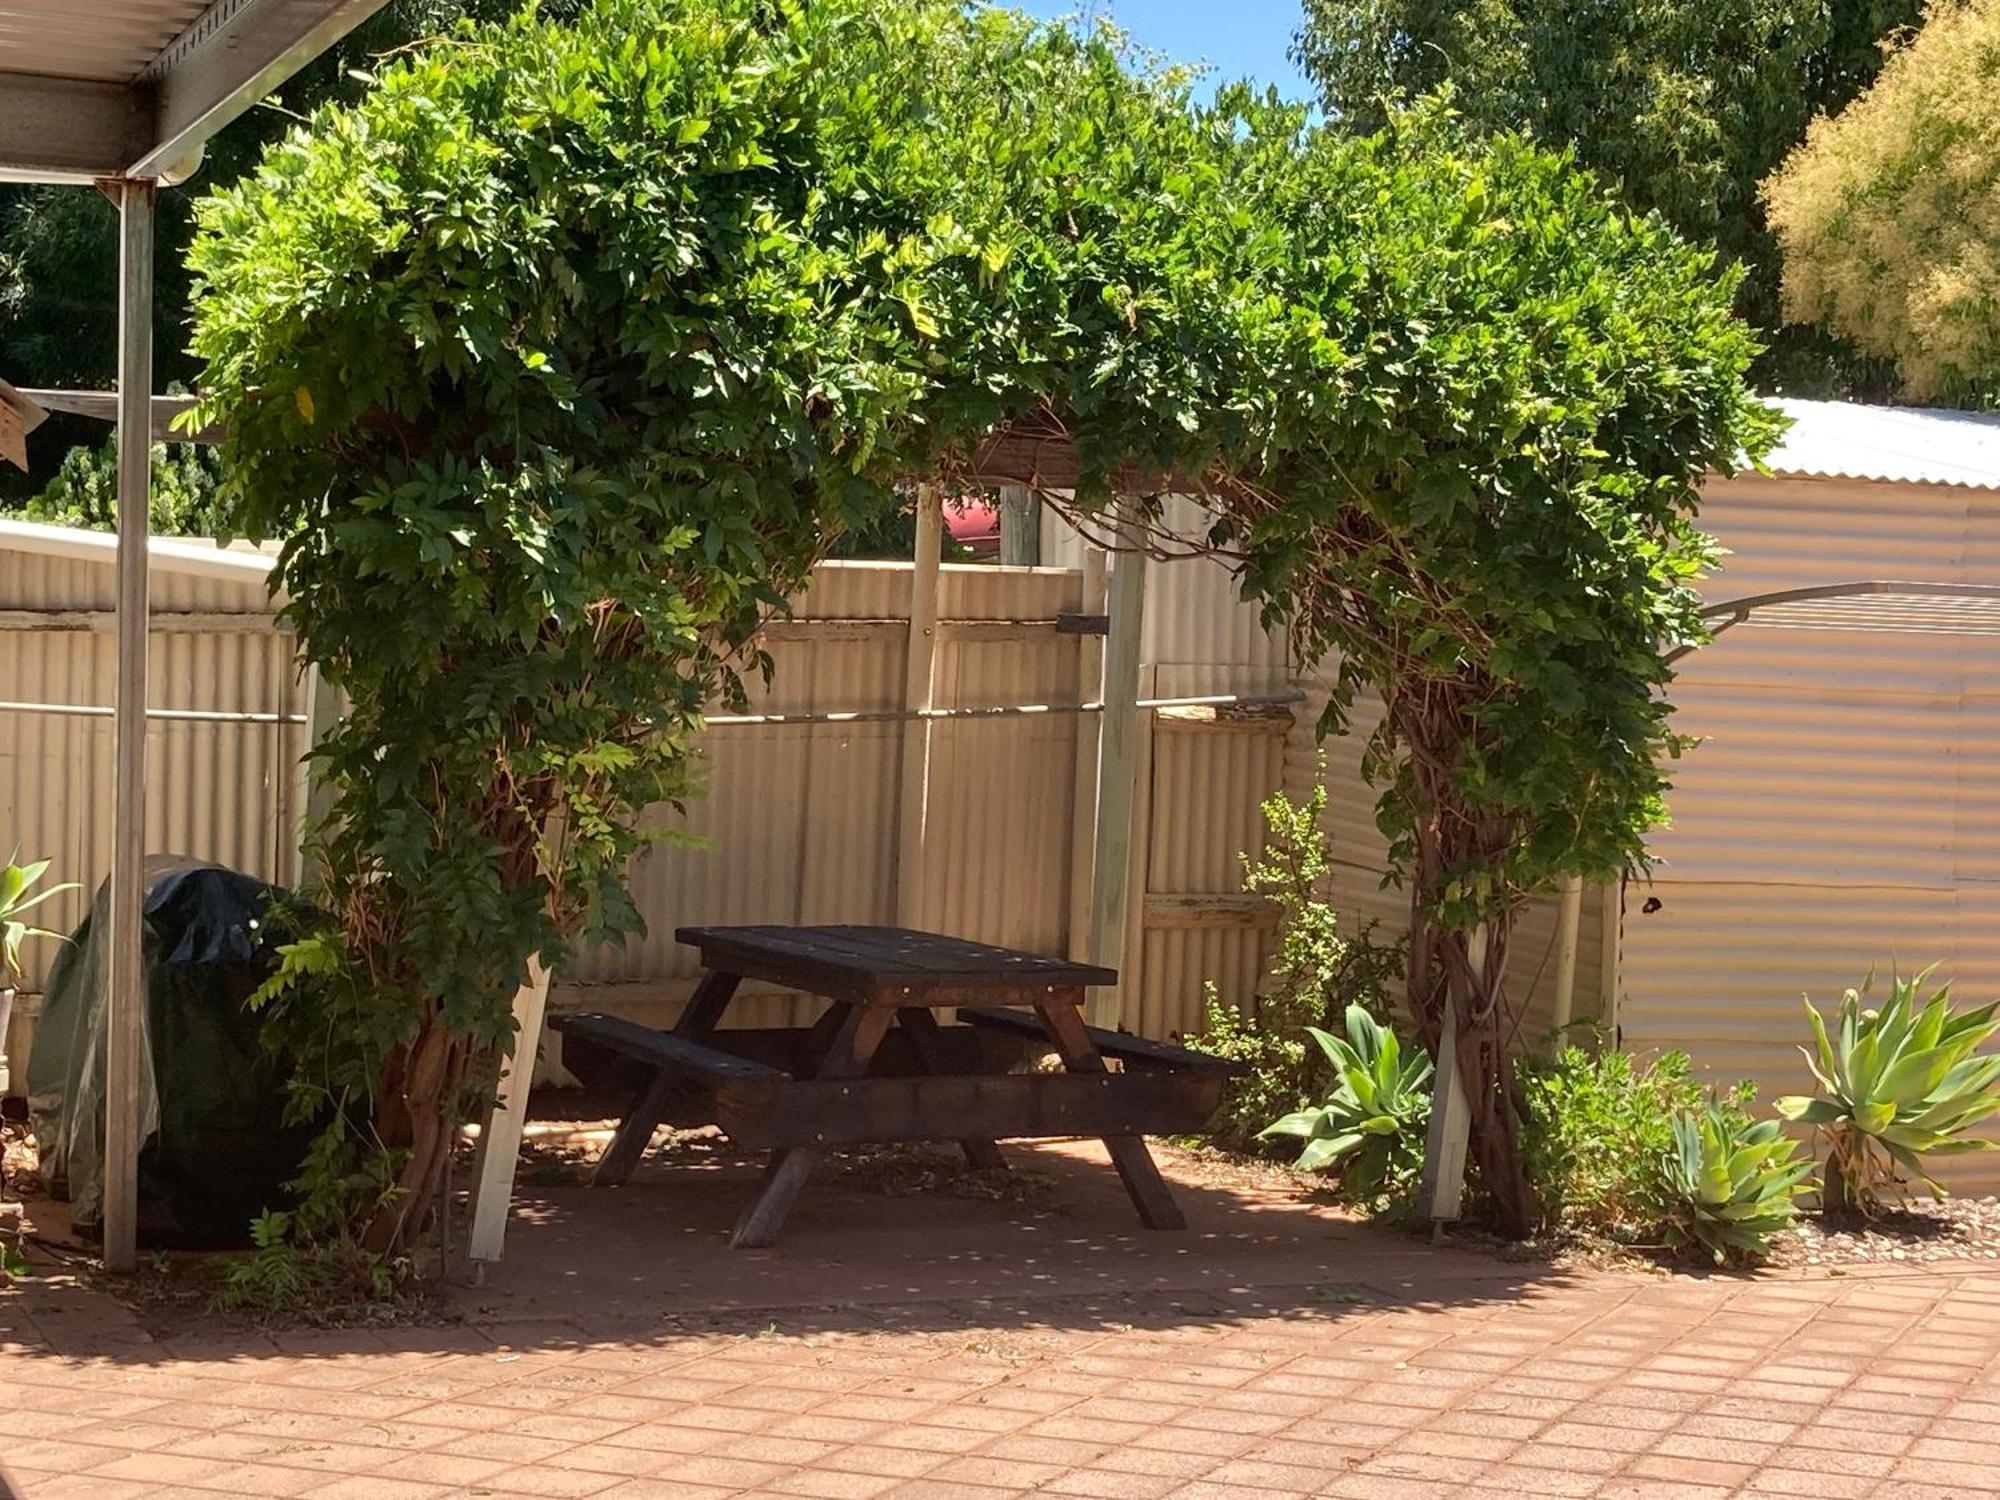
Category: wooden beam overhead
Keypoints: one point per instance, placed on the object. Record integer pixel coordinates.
(68, 129)
(231, 56)
(103, 405)
(71, 113)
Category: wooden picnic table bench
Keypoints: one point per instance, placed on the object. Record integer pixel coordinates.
(796, 1091)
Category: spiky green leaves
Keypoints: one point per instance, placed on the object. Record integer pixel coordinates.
(18, 895)
(1897, 1085)
(1729, 1184)
(1371, 1126)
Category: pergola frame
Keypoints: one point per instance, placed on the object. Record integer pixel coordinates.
(77, 106)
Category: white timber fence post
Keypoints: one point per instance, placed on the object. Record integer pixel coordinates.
(125, 1065)
(919, 697)
(315, 794)
(1020, 527)
(1083, 814)
(499, 1150)
(1569, 929)
(1117, 763)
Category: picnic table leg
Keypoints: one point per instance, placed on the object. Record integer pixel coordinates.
(1136, 1168)
(861, 1032)
(921, 1027)
(635, 1131)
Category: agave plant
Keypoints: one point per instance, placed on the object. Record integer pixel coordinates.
(1372, 1123)
(1729, 1182)
(17, 895)
(1897, 1085)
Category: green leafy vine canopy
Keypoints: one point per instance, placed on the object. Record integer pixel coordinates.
(560, 357)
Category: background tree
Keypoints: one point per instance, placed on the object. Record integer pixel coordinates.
(1888, 214)
(1684, 105)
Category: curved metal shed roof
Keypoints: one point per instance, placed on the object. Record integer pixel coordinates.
(1894, 444)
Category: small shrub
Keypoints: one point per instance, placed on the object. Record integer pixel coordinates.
(1279, 1070)
(84, 491)
(1594, 1130)
(1897, 1085)
(1319, 973)
(1371, 1125)
(1729, 1183)
(285, 1272)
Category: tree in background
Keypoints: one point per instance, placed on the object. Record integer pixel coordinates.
(1889, 219)
(1685, 105)
(59, 245)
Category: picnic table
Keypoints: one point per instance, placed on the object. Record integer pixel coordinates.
(877, 1067)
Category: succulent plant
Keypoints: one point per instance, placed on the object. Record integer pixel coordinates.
(1896, 1086)
(1730, 1183)
(1371, 1125)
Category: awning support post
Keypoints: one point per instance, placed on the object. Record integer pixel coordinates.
(126, 992)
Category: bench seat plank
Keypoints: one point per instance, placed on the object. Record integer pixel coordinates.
(1136, 1050)
(663, 1049)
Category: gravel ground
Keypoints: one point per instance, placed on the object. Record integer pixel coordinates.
(1954, 1229)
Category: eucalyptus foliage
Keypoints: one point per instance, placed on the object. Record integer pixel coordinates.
(1886, 214)
(558, 358)
(1682, 105)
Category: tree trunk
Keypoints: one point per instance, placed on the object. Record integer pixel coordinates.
(1447, 839)
(416, 1112)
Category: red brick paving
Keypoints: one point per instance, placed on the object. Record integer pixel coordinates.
(1389, 1372)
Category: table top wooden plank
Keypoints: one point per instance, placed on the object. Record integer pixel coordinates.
(883, 963)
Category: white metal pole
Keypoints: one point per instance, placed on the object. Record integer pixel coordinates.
(919, 692)
(126, 995)
(1083, 827)
(1117, 763)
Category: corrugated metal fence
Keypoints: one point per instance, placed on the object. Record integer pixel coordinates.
(799, 820)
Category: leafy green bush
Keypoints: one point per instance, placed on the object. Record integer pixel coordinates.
(1371, 1126)
(1898, 1084)
(1728, 1183)
(84, 491)
(1596, 1128)
(1319, 973)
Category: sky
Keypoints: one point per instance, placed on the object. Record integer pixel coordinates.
(1240, 38)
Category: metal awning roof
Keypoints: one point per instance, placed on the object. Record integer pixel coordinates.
(95, 89)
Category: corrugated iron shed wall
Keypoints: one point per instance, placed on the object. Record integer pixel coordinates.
(222, 791)
(1844, 808)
